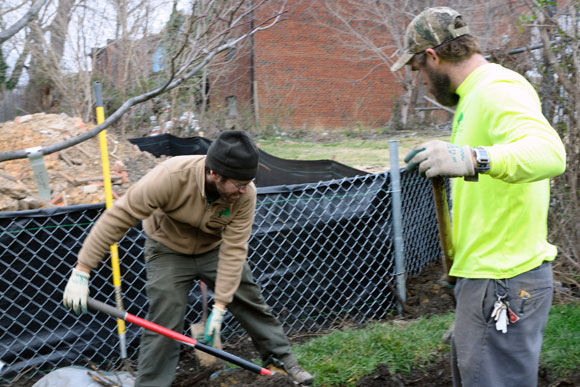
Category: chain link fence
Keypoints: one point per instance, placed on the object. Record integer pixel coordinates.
(323, 254)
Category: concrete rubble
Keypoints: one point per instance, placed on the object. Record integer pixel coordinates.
(75, 174)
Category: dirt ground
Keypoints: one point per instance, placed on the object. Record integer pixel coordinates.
(424, 297)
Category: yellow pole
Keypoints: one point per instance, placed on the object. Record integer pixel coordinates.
(108, 203)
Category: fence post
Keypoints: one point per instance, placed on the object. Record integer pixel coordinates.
(397, 223)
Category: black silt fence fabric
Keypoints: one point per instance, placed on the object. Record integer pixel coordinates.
(170, 145)
(323, 253)
(272, 171)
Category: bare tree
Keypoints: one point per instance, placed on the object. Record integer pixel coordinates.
(8, 31)
(47, 45)
(210, 28)
(558, 29)
(374, 31)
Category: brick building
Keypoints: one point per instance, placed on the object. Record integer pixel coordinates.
(298, 74)
(122, 62)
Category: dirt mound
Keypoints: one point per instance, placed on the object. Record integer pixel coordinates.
(75, 174)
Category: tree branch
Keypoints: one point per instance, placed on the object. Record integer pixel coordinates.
(23, 22)
(551, 56)
(439, 105)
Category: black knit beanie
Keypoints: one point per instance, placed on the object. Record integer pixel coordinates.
(234, 155)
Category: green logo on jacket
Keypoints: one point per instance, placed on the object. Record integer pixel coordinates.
(225, 212)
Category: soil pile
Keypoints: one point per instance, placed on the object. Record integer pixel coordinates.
(75, 174)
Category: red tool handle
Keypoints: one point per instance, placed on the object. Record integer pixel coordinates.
(114, 312)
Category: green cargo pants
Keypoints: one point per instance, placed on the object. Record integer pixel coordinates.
(170, 277)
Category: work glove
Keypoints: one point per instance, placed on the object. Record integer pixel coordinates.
(440, 158)
(76, 291)
(213, 326)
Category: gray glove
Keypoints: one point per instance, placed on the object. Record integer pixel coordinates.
(76, 291)
(440, 158)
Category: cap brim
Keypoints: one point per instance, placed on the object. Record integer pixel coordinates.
(403, 60)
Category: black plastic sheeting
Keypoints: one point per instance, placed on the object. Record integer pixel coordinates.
(35, 270)
(272, 171)
(334, 258)
(170, 145)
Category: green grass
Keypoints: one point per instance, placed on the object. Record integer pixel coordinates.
(344, 357)
(355, 153)
(561, 346)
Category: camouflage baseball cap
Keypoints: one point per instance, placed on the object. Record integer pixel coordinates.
(432, 27)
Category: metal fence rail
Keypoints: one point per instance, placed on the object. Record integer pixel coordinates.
(323, 253)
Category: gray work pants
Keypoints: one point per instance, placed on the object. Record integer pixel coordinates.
(482, 356)
(170, 277)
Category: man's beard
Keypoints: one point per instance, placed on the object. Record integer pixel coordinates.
(228, 197)
(440, 88)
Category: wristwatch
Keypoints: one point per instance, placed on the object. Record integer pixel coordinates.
(481, 160)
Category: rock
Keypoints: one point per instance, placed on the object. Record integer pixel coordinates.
(23, 119)
(14, 189)
(90, 188)
(33, 203)
(8, 204)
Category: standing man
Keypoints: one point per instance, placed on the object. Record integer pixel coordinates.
(197, 212)
(502, 154)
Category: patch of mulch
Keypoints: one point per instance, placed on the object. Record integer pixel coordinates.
(438, 374)
(433, 376)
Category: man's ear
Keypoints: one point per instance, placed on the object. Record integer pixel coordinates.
(432, 56)
(213, 176)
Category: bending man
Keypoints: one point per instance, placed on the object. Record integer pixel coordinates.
(197, 213)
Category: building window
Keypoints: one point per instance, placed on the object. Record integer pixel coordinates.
(232, 106)
(230, 53)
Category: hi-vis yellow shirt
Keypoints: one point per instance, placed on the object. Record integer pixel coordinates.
(500, 222)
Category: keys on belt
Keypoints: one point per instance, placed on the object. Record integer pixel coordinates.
(502, 314)
(499, 314)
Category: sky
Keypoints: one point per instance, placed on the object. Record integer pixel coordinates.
(92, 25)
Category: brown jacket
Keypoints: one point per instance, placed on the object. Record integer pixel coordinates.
(171, 202)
